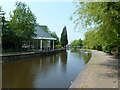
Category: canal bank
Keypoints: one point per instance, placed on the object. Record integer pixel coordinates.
(100, 72)
(13, 57)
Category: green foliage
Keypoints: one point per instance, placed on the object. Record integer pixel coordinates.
(0, 17)
(45, 28)
(64, 40)
(58, 46)
(91, 40)
(104, 20)
(54, 35)
(20, 28)
(106, 49)
(23, 21)
(76, 43)
(8, 36)
(116, 52)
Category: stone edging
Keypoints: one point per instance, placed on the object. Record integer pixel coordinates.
(82, 74)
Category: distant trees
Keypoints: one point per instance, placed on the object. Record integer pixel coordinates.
(0, 14)
(54, 35)
(0, 17)
(76, 43)
(20, 28)
(45, 28)
(0, 8)
(64, 39)
(0, 27)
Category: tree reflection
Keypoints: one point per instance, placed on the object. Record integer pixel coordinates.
(24, 73)
(63, 59)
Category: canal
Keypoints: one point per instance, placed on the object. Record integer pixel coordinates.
(53, 71)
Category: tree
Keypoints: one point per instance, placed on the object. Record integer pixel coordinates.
(104, 18)
(76, 43)
(6, 31)
(22, 23)
(45, 28)
(80, 42)
(54, 35)
(0, 27)
(0, 14)
(64, 40)
(0, 8)
(0, 18)
(91, 40)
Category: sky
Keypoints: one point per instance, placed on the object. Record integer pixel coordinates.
(55, 15)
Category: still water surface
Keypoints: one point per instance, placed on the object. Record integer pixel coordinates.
(54, 71)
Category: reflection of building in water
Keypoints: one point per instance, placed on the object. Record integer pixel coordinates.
(47, 62)
(63, 61)
(54, 59)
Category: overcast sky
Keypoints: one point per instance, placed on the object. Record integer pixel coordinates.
(53, 14)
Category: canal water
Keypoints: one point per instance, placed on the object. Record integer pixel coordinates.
(54, 71)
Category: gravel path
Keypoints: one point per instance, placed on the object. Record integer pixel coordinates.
(100, 72)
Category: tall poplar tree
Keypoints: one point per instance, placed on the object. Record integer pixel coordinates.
(64, 39)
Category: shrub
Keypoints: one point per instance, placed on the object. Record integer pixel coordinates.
(58, 46)
(106, 49)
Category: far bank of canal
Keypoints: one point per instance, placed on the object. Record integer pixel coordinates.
(51, 71)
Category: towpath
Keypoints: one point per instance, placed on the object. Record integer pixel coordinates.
(100, 72)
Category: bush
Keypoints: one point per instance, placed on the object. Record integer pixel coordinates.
(106, 49)
(84, 47)
(115, 52)
(99, 48)
(58, 46)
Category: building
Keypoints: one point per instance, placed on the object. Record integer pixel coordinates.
(42, 39)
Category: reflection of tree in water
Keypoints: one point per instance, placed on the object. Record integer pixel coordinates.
(23, 73)
(86, 56)
(63, 59)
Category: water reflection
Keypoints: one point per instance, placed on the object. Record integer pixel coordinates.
(86, 55)
(54, 71)
(63, 61)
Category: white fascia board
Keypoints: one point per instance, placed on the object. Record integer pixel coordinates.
(44, 38)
